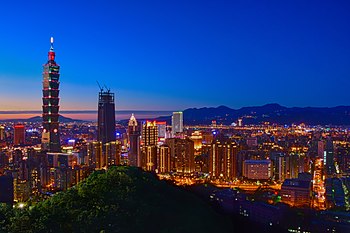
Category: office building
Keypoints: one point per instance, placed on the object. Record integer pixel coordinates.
(134, 134)
(182, 155)
(320, 148)
(223, 160)
(161, 130)
(149, 158)
(95, 155)
(177, 123)
(149, 140)
(113, 153)
(149, 133)
(257, 169)
(278, 166)
(328, 158)
(294, 164)
(197, 138)
(106, 117)
(51, 133)
(163, 161)
(296, 192)
(2, 133)
(21, 190)
(19, 134)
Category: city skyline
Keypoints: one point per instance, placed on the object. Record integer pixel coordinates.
(295, 59)
(237, 110)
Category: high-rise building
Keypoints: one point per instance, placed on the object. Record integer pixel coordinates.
(328, 159)
(149, 133)
(197, 138)
(106, 117)
(19, 134)
(149, 158)
(113, 153)
(278, 165)
(182, 155)
(223, 160)
(296, 192)
(95, 155)
(163, 161)
(294, 164)
(177, 123)
(134, 142)
(51, 135)
(2, 133)
(149, 142)
(257, 169)
(21, 190)
(320, 148)
(161, 130)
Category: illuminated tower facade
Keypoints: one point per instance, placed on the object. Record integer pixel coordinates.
(106, 117)
(51, 136)
(149, 146)
(177, 123)
(2, 133)
(134, 142)
(149, 133)
(329, 158)
(19, 134)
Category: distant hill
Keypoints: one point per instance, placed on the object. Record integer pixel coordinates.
(273, 113)
(61, 119)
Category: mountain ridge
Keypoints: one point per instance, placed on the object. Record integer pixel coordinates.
(272, 112)
(61, 119)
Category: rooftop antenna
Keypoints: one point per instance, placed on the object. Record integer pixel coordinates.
(101, 88)
(51, 41)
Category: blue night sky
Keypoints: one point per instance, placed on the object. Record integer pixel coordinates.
(171, 55)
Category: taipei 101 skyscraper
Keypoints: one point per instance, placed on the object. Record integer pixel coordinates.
(50, 140)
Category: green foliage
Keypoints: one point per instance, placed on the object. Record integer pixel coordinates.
(122, 199)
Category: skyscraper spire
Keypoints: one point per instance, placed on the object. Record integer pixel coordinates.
(51, 40)
(132, 121)
(51, 52)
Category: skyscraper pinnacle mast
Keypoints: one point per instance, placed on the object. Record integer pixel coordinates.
(51, 136)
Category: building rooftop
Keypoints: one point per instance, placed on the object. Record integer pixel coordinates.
(258, 161)
(296, 183)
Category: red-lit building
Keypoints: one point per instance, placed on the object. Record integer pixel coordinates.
(19, 134)
(161, 130)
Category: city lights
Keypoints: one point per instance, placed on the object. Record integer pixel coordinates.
(275, 168)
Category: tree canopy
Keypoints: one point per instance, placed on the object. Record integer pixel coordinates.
(121, 199)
